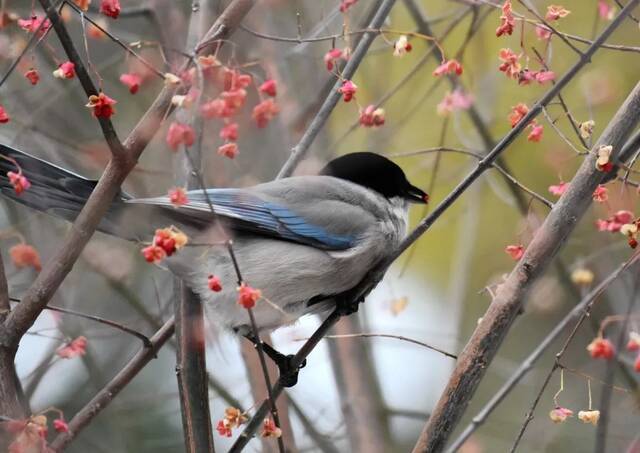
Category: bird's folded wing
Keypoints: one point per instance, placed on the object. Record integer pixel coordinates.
(249, 210)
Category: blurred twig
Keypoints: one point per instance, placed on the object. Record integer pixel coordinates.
(605, 396)
(113, 388)
(322, 441)
(358, 387)
(478, 156)
(107, 322)
(191, 367)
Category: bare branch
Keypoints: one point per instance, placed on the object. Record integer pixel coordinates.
(90, 89)
(226, 24)
(509, 298)
(395, 337)
(191, 371)
(145, 341)
(527, 364)
(297, 360)
(5, 305)
(113, 388)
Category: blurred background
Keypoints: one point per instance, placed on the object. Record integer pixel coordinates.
(437, 290)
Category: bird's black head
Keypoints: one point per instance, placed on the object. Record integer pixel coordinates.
(375, 172)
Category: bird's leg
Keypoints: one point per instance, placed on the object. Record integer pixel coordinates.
(288, 373)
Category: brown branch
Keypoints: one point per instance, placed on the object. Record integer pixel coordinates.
(191, 366)
(113, 388)
(508, 301)
(5, 303)
(527, 364)
(191, 371)
(90, 89)
(226, 24)
(11, 394)
(583, 315)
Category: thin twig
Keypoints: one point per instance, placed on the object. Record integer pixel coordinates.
(116, 40)
(396, 337)
(145, 340)
(297, 360)
(579, 152)
(478, 156)
(548, 26)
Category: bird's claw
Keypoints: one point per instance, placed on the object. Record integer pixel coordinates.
(348, 306)
(288, 372)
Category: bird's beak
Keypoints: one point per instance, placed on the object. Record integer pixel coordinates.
(416, 195)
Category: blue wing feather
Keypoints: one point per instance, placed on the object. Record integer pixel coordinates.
(255, 214)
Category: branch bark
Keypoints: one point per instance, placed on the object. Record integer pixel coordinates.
(191, 371)
(508, 301)
(57, 268)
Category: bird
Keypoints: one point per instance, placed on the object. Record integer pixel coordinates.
(304, 241)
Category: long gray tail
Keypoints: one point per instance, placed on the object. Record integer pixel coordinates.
(61, 193)
(53, 190)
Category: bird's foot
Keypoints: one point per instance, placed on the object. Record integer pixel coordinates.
(346, 306)
(288, 371)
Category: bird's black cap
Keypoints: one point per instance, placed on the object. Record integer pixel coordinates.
(375, 172)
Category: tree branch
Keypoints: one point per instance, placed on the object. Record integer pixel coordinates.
(113, 388)
(547, 241)
(191, 372)
(109, 132)
(527, 364)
